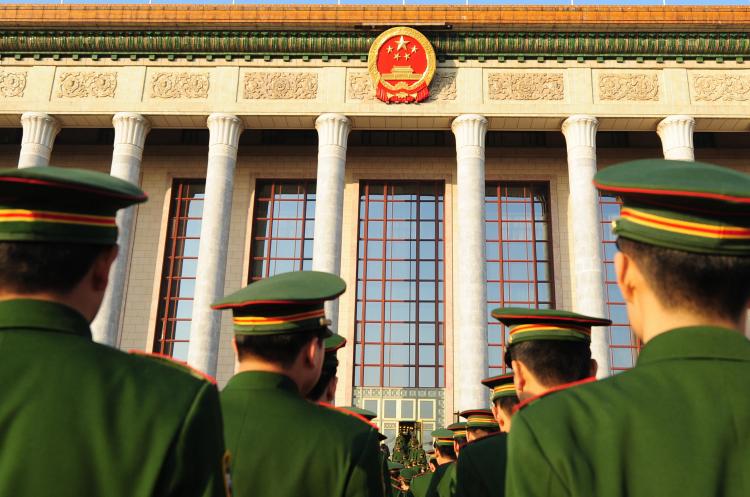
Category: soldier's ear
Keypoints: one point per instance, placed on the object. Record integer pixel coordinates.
(520, 376)
(624, 271)
(100, 268)
(594, 367)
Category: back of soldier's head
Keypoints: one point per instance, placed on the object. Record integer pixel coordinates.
(554, 362)
(55, 223)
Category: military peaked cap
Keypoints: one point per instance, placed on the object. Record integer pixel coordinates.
(689, 206)
(285, 303)
(442, 436)
(479, 418)
(53, 204)
(458, 429)
(501, 386)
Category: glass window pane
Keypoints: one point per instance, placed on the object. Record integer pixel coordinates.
(397, 277)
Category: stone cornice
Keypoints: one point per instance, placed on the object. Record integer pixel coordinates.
(288, 45)
(345, 17)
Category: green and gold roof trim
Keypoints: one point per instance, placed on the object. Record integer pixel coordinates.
(354, 45)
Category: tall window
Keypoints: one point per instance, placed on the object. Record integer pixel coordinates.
(400, 296)
(178, 273)
(283, 223)
(623, 346)
(519, 256)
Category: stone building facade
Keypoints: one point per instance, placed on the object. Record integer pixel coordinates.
(258, 137)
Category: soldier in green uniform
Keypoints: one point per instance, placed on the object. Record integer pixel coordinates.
(503, 398)
(78, 418)
(459, 436)
(406, 477)
(325, 389)
(479, 423)
(548, 350)
(280, 328)
(442, 482)
(678, 423)
(369, 416)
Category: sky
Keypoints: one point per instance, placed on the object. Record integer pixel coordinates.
(398, 2)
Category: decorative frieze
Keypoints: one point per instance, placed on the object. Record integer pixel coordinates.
(628, 86)
(82, 84)
(280, 86)
(526, 86)
(721, 87)
(443, 86)
(179, 85)
(12, 84)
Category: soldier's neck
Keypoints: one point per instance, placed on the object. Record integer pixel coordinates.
(658, 320)
(72, 300)
(253, 364)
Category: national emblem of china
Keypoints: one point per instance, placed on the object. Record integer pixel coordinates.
(402, 64)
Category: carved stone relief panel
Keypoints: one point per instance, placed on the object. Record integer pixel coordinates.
(12, 84)
(526, 86)
(82, 84)
(180, 85)
(280, 85)
(442, 86)
(628, 86)
(721, 87)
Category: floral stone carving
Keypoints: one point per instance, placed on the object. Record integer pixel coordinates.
(280, 86)
(87, 84)
(526, 86)
(12, 84)
(179, 85)
(628, 86)
(721, 88)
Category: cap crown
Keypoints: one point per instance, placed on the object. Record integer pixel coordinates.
(53, 204)
(690, 206)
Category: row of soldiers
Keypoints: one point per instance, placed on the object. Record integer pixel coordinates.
(78, 418)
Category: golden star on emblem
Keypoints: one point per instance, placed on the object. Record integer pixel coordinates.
(406, 56)
(413, 49)
(397, 56)
(401, 43)
(390, 49)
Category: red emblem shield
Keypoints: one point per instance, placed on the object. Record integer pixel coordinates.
(402, 64)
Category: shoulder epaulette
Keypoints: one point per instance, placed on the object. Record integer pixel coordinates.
(348, 413)
(180, 365)
(556, 389)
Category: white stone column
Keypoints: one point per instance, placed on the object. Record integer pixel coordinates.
(676, 133)
(225, 130)
(470, 280)
(39, 132)
(584, 229)
(333, 132)
(130, 136)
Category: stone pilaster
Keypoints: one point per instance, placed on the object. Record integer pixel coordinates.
(130, 136)
(225, 130)
(584, 229)
(333, 132)
(470, 283)
(39, 132)
(676, 133)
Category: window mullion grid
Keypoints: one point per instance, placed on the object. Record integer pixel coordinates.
(383, 269)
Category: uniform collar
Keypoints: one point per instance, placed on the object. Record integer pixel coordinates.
(262, 380)
(558, 388)
(42, 315)
(696, 342)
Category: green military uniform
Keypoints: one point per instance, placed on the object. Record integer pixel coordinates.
(78, 418)
(480, 470)
(408, 476)
(678, 423)
(333, 453)
(442, 482)
(369, 416)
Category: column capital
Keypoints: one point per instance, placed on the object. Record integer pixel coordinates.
(470, 130)
(676, 134)
(40, 128)
(333, 129)
(39, 132)
(580, 131)
(130, 128)
(224, 129)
